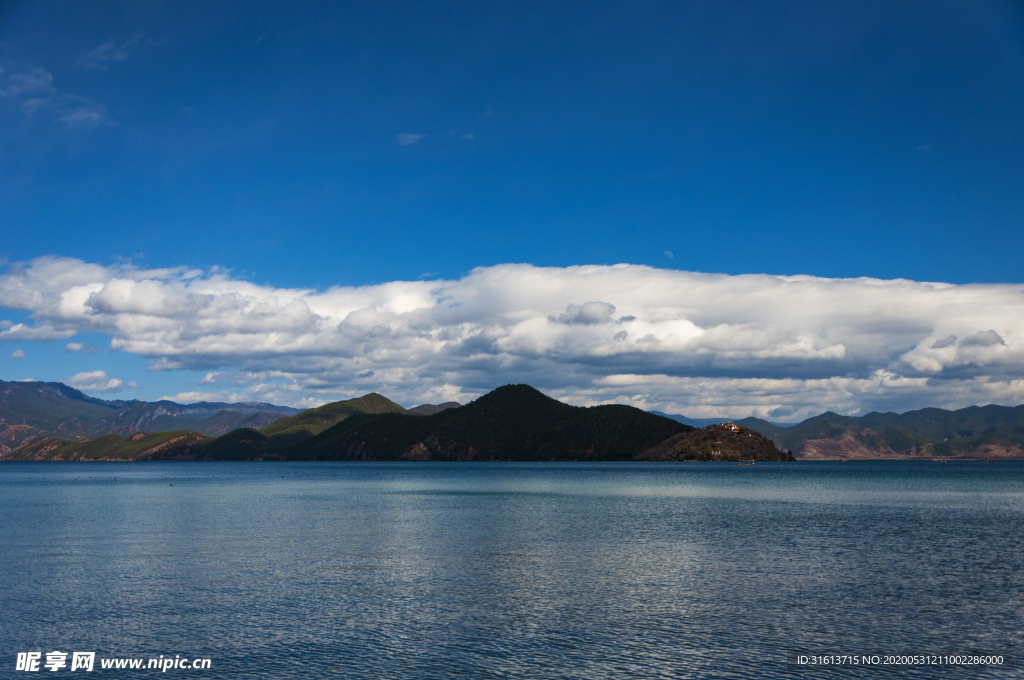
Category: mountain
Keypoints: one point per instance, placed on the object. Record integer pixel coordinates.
(726, 442)
(514, 422)
(225, 421)
(239, 440)
(44, 421)
(316, 420)
(165, 416)
(267, 443)
(431, 409)
(30, 410)
(972, 432)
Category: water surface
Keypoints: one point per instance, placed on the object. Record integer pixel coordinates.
(477, 570)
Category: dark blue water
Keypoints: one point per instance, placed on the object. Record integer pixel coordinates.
(276, 570)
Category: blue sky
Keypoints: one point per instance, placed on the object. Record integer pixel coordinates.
(311, 145)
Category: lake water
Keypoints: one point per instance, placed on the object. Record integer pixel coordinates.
(476, 570)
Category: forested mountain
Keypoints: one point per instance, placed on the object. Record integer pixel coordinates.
(514, 422)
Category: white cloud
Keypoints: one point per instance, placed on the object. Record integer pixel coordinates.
(35, 89)
(80, 347)
(20, 331)
(95, 381)
(700, 344)
(407, 138)
(194, 397)
(18, 354)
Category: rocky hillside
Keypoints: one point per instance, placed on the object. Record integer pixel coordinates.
(139, 446)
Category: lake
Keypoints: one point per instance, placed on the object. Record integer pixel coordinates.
(512, 570)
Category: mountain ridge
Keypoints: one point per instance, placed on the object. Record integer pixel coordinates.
(514, 422)
(989, 431)
(34, 409)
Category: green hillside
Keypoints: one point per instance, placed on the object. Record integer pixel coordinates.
(240, 444)
(515, 422)
(156, 446)
(294, 429)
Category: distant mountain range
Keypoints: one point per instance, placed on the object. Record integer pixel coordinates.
(29, 410)
(972, 432)
(51, 421)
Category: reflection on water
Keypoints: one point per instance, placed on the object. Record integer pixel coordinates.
(511, 570)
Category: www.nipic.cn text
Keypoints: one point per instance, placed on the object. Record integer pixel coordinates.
(86, 661)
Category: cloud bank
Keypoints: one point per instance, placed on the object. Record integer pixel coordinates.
(782, 347)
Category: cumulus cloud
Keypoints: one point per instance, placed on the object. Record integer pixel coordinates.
(407, 138)
(699, 344)
(95, 381)
(18, 354)
(34, 88)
